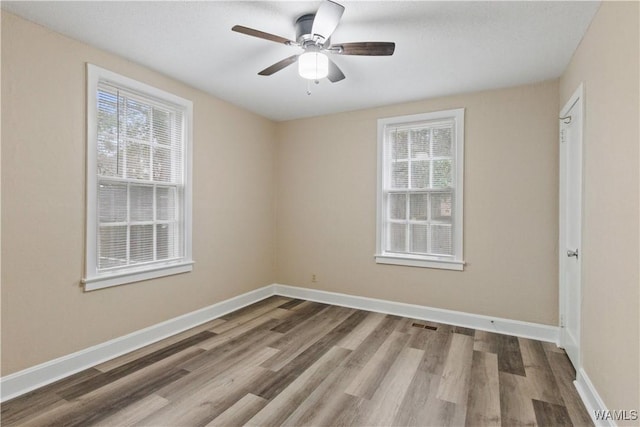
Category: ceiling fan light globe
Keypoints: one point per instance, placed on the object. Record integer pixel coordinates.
(313, 65)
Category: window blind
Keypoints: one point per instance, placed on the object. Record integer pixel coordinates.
(419, 187)
(140, 149)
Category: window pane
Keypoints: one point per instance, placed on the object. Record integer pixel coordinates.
(418, 210)
(397, 238)
(137, 120)
(441, 238)
(112, 202)
(112, 247)
(162, 164)
(399, 140)
(165, 203)
(442, 174)
(168, 244)
(442, 142)
(141, 203)
(141, 241)
(138, 161)
(162, 241)
(108, 134)
(420, 143)
(420, 174)
(419, 238)
(441, 207)
(161, 127)
(399, 174)
(398, 206)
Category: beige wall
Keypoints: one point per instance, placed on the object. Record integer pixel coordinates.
(45, 313)
(607, 63)
(326, 207)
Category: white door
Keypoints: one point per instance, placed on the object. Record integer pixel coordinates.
(570, 260)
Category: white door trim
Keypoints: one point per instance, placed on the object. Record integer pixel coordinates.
(564, 300)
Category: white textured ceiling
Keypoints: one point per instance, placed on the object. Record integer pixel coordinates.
(442, 48)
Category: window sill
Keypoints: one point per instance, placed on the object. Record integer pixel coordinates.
(419, 262)
(121, 278)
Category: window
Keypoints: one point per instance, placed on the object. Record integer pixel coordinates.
(138, 181)
(420, 177)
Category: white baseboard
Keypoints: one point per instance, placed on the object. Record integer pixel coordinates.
(476, 321)
(591, 399)
(40, 375)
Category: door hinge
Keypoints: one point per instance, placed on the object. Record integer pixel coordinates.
(561, 321)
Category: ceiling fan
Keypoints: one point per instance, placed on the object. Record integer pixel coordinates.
(313, 34)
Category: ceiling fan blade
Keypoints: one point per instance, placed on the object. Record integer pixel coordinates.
(335, 73)
(279, 65)
(327, 19)
(365, 48)
(261, 34)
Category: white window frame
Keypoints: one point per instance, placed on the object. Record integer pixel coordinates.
(382, 256)
(95, 279)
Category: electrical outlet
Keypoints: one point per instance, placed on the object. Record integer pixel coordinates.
(313, 278)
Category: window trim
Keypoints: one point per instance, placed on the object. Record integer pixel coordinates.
(405, 259)
(93, 279)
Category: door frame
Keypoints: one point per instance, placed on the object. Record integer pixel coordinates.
(577, 97)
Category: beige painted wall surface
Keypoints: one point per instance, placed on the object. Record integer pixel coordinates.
(607, 62)
(326, 207)
(45, 313)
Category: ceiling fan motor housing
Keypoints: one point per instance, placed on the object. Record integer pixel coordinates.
(304, 36)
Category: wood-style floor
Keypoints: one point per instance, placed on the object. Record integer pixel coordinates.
(291, 362)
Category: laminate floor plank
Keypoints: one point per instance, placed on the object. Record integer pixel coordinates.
(372, 374)
(280, 313)
(25, 408)
(241, 331)
(248, 313)
(539, 373)
(102, 402)
(362, 331)
(486, 341)
(289, 305)
(127, 369)
(303, 336)
(248, 354)
(327, 400)
(421, 402)
(129, 357)
(135, 412)
(285, 403)
(552, 347)
(565, 375)
(274, 385)
(516, 406)
(256, 309)
(548, 414)
(454, 384)
(301, 313)
(31, 404)
(509, 356)
(328, 405)
(436, 346)
(464, 331)
(483, 404)
(210, 399)
(241, 412)
(415, 409)
(291, 362)
(383, 407)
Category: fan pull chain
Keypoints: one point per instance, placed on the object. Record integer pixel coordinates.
(309, 85)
